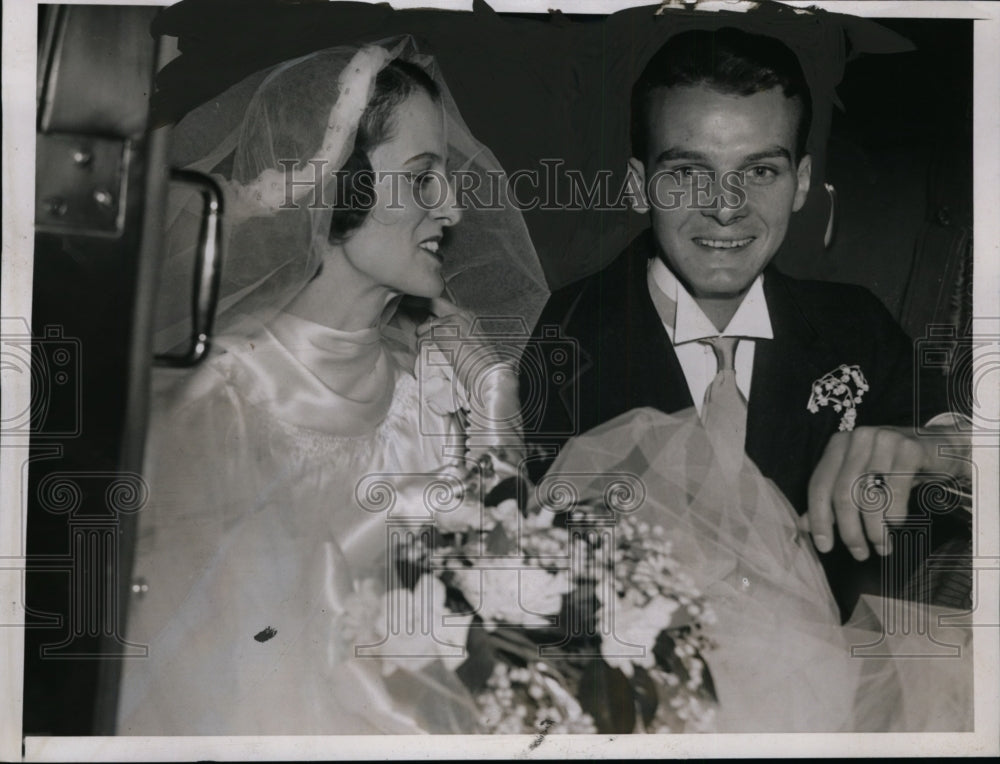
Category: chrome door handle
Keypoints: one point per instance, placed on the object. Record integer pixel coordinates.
(207, 271)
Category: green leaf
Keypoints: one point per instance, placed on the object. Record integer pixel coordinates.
(606, 694)
(663, 650)
(646, 696)
(408, 572)
(707, 683)
(508, 488)
(478, 666)
(497, 542)
(670, 662)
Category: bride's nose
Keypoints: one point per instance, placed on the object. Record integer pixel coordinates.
(448, 211)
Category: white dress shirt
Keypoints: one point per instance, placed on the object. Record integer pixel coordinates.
(750, 322)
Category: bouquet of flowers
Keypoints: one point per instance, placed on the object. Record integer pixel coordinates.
(575, 620)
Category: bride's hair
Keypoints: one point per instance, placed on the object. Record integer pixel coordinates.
(355, 195)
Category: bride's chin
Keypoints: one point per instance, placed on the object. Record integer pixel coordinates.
(433, 289)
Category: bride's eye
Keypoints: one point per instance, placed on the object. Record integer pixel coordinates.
(420, 182)
(431, 187)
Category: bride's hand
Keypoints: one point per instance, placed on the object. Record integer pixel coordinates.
(487, 378)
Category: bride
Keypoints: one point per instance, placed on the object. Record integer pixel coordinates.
(253, 531)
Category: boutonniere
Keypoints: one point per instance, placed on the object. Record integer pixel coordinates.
(843, 388)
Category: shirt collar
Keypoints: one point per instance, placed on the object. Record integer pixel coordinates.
(690, 323)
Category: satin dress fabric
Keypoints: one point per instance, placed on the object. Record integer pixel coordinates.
(254, 533)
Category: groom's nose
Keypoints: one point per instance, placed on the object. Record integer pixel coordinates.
(728, 201)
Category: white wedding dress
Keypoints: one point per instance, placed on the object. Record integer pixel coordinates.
(273, 468)
(253, 532)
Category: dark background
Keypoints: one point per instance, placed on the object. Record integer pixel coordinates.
(533, 87)
(557, 87)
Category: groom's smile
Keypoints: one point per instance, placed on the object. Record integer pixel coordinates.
(723, 244)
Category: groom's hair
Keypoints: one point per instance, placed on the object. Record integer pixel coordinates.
(728, 60)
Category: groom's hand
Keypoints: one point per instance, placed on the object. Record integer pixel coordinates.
(855, 470)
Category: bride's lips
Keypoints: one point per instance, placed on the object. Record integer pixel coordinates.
(728, 243)
(431, 246)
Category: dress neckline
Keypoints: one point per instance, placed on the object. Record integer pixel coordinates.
(309, 375)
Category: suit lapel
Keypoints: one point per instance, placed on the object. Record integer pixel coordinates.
(654, 376)
(657, 375)
(629, 362)
(783, 438)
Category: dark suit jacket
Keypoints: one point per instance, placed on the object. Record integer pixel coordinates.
(626, 360)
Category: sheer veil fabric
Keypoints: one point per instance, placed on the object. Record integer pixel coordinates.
(304, 113)
(257, 526)
(782, 661)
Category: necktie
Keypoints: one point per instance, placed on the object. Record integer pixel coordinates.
(724, 411)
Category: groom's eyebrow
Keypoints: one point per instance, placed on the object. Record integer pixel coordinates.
(673, 155)
(778, 152)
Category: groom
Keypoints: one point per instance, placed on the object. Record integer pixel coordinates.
(692, 313)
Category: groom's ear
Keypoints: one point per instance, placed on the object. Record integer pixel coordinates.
(803, 177)
(636, 185)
